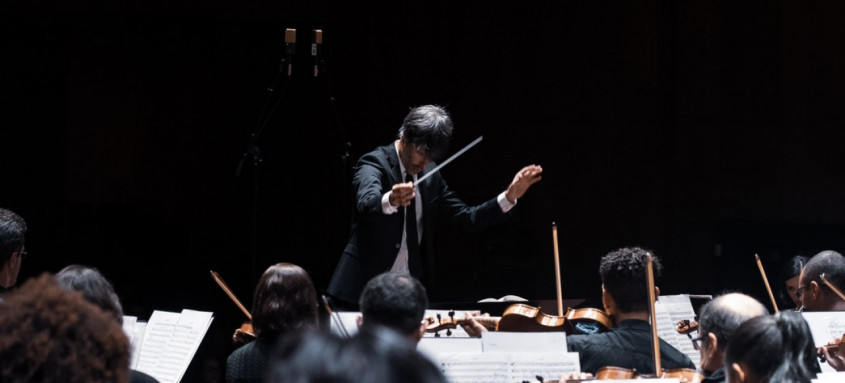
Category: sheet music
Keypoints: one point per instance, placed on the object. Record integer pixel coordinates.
(506, 367)
(134, 330)
(534, 342)
(825, 326)
(170, 342)
(669, 310)
(348, 320)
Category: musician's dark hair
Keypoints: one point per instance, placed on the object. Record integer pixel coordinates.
(375, 355)
(12, 230)
(623, 274)
(791, 269)
(95, 288)
(429, 128)
(722, 319)
(828, 262)
(285, 300)
(394, 299)
(54, 335)
(777, 348)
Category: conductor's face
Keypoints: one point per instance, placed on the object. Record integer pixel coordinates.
(413, 158)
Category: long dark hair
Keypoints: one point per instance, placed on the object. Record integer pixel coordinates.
(777, 348)
(285, 299)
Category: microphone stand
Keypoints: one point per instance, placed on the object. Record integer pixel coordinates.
(253, 151)
(346, 144)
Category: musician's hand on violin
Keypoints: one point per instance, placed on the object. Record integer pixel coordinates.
(402, 194)
(834, 354)
(523, 179)
(471, 326)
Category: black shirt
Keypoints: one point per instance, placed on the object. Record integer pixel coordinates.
(628, 345)
(717, 376)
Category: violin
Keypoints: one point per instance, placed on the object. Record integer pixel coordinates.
(587, 321)
(245, 333)
(686, 326)
(684, 375)
(519, 317)
(438, 323)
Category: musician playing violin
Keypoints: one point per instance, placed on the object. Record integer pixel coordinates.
(813, 293)
(285, 302)
(625, 299)
(717, 321)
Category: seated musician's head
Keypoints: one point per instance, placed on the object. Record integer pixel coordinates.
(814, 294)
(95, 288)
(374, 355)
(717, 322)
(396, 300)
(624, 282)
(424, 136)
(285, 300)
(12, 230)
(772, 348)
(53, 335)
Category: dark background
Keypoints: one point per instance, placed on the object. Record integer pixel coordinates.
(707, 131)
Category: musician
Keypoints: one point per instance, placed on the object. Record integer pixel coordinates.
(95, 288)
(285, 302)
(772, 348)
(53, 335)
(376, 354)
(386, 190)
(12, 253)
(790, 275)
(815, 295)
(718, 319)
(625, 299)
(395, 300)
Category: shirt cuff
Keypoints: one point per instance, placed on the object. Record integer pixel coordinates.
(504, 203)
(388, 209)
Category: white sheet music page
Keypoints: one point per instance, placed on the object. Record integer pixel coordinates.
(170, 342)
(825, 326)
(134, 330)
(344, 323)
(670, 309)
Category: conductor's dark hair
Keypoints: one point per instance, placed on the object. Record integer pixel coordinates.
(429, 128)
(12, 230)
(829, 263)
(394, 299)
(53, 335)
(623, 274)
(285, 300)
(777, 348)
(95, 288)
(374, 355)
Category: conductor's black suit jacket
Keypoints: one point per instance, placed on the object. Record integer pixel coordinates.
(375, 237)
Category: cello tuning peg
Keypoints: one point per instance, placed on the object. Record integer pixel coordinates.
(437, 334)
(448, 332)
(451, 313)
(438, 316)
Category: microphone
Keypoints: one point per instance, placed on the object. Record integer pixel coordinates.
(316, 48)
(290, 47)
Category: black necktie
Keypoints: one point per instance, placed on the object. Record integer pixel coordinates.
(411, 238)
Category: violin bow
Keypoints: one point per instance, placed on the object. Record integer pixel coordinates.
(766, 282)
(229, 292)
(655, 344)
(557, 272)
(832, 287)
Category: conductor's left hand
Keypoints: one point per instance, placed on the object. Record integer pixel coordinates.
(523, 179)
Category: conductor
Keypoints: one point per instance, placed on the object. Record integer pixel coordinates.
(394, 216)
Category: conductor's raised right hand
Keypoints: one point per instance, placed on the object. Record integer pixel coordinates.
(402, 194)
